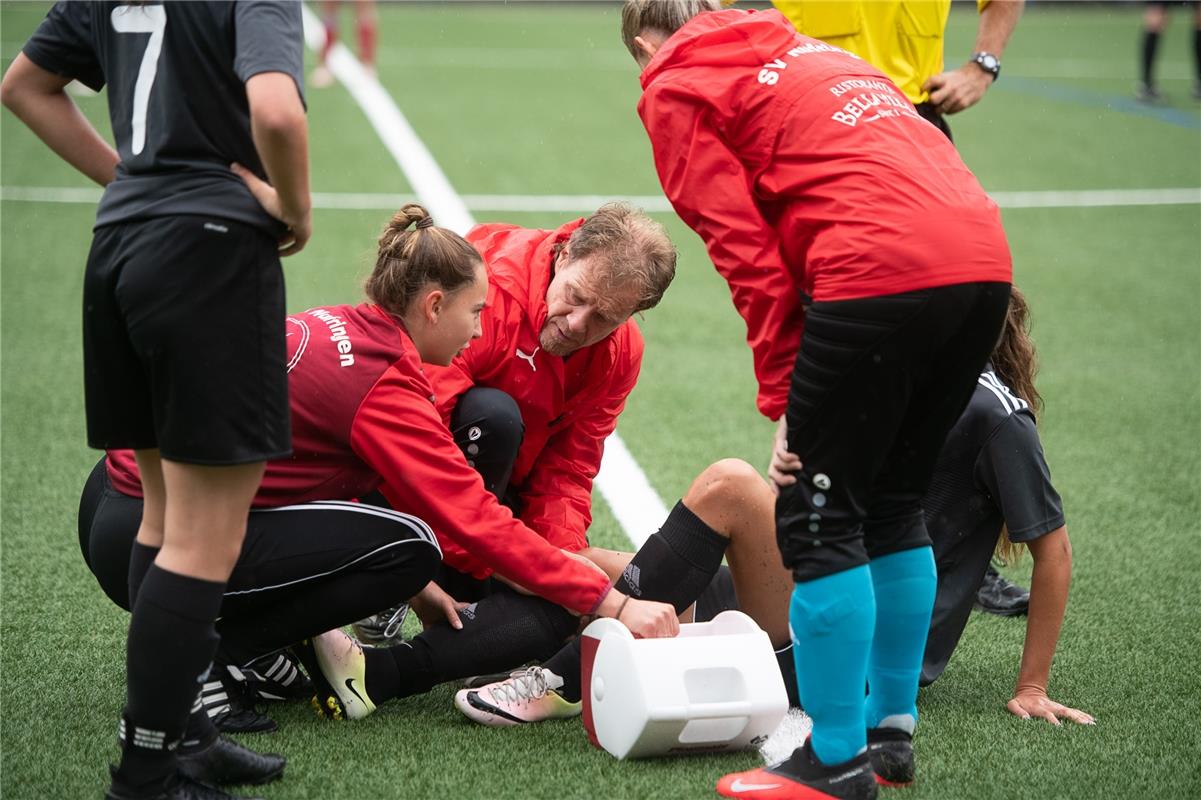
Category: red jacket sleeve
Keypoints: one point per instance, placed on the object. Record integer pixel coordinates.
(399, 434)
(710, 190)
(557, 496)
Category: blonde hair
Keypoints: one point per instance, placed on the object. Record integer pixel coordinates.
(631, 251)
(413, 253)
(665, 16)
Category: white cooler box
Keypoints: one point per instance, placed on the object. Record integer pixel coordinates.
(713, 688)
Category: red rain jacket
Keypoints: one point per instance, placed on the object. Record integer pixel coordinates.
(804, 169)
(363, 417)
(569, 405)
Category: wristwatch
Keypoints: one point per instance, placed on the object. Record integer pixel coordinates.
(989, 63)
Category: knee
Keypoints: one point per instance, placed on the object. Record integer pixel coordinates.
(417, 561)
(423, 563)
(727, 487)
(484, 412)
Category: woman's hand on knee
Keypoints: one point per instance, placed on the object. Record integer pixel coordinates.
(433, 605)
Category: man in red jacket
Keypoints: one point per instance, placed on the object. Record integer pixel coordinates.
(531, 402)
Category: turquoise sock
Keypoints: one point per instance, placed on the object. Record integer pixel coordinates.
(831, 619)
(905, 584)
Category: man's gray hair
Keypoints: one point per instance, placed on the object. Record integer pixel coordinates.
(631, 251)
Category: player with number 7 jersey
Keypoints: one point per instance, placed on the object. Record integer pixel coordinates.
(179, 115)
(184, 353)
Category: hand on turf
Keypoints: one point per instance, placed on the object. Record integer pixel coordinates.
(433, 605)
(300, 225)
(783, 463)
(1029, 703)
(957, 89)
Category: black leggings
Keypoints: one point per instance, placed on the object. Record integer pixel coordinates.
(304, 569)
(878, 383)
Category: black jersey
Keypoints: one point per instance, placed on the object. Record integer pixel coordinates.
(991, 473)
(176, 76)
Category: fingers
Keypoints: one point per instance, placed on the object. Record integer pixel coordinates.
(452, 615)
(787, 461)
(1015, 708)
(1075, 715)
(936, 87)
(292, 243)
(1048, 710)
(779, 477)
(667, 623)
(254, 182)
(1049, 716)
(651, 620)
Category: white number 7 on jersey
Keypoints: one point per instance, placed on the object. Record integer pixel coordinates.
(142, 19)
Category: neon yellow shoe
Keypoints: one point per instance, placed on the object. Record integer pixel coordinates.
(337, 666)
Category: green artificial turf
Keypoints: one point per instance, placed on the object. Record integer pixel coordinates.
(539, 99)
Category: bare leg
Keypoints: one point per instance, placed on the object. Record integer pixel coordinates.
(205, 520)
(154, 498)
(736, 502)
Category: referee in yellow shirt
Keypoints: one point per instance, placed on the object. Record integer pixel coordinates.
(904, 40)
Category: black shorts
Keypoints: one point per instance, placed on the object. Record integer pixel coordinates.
(927, 112)
(878, 383)
(183, 340)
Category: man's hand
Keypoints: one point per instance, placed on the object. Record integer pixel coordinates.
(299, 229)
(1033, 702)
(783, 463)
(433, 605)
(957, 89)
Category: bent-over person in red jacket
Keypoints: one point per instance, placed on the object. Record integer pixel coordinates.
(873, 275)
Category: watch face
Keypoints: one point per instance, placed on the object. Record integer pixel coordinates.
(989, 62)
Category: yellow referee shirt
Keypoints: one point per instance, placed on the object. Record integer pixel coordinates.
(901, 38)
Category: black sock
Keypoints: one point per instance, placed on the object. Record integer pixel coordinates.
(787, 665)
(140, 559)
(500, 632)
(1150, 46)
(674, 566)
(1197, 52)
(170, 647)
(200, 731)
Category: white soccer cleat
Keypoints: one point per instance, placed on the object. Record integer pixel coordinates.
(529, 695)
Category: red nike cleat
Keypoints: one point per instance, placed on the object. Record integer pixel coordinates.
(803, 777)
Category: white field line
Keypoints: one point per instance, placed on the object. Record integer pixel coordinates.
(622, 483)
(418, 165)
(583, 203)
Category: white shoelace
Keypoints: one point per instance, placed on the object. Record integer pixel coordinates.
(396, 621)
(521, 687)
